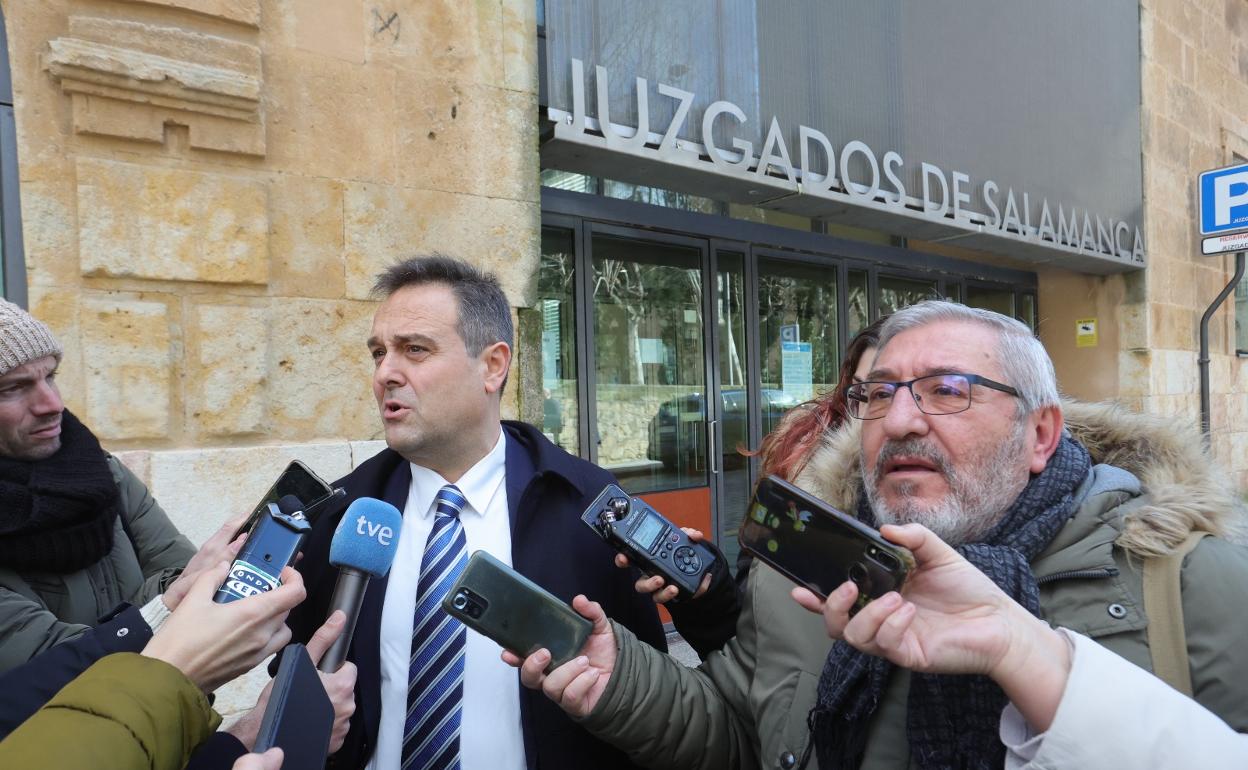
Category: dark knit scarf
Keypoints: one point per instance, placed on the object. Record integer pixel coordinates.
(951, 720)
(57, 515)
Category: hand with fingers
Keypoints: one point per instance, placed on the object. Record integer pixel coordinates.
(213, 643)
(952, 619)
(339, 686)
(269, 760)
(658, 588)
(578, 684)
(222, 546)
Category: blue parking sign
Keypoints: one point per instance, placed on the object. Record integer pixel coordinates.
(1224, 200)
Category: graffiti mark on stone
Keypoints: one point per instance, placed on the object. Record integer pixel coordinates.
(386, 25)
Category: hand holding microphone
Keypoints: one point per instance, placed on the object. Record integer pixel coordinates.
(363, 547)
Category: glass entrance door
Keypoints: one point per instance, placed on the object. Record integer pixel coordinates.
(736, 397)
(799, 336)
(649, 405)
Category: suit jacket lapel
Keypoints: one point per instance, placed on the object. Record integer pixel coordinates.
(367, 641)
(519, 471)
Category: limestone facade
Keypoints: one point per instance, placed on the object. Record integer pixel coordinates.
(1195, 117)
(209, 187)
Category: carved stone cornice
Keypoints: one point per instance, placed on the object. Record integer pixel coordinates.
(128, 79)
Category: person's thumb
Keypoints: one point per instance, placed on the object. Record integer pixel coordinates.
(326, 635)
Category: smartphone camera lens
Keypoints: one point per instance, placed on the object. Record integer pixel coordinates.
(858, 574)
(459, 602)
(886, 560)
(474, 610)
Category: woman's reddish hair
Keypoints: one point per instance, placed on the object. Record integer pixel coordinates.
(786, 450)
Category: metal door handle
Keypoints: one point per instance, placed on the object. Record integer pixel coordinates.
(712, 455)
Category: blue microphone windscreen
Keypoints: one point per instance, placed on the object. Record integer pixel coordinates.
(367, 537)
(289, 504)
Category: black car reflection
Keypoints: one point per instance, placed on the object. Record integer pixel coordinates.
(677, 436)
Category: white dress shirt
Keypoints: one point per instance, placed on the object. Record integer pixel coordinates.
(490, 736)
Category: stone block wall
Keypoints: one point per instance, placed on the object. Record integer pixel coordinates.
(209, 187)
(1195, 117)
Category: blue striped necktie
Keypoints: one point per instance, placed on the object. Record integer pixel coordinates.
(435, 677)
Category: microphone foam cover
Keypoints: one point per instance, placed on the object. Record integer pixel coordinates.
(289, 504)
(367, 537)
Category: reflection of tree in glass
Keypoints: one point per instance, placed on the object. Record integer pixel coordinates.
(859, 315)
(896, 293)
(554, 293)
(731, 324)
(554, 278)
(643, 39)
(653, 300)
(810, 303)
(657, 196)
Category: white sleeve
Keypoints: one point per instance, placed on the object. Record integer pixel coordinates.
(1117, 716)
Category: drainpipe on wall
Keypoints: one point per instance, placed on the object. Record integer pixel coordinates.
(1203, 360)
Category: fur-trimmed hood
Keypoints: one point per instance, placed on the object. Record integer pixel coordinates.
(1187, 491)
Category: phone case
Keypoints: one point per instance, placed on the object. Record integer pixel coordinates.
(819, 547)
(296, 479)
(518, 614)
(300, 716)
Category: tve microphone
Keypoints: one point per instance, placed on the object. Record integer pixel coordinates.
(363, 547)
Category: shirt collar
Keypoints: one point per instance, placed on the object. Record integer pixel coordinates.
(478, 485)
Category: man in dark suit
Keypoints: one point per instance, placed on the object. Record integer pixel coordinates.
(431, 694)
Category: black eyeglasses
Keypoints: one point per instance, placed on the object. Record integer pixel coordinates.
(934, 394)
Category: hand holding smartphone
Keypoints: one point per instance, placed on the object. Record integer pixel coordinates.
(275, 533)
(500, 603)
(819, 547)
(298, 480)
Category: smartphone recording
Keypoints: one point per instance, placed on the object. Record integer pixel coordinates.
(819, 547)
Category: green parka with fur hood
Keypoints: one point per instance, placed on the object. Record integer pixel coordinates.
(1150, 486)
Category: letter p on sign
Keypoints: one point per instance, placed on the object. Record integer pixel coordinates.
(1229, 192)
(1224, 200)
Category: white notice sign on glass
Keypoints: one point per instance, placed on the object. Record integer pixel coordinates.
(651, 350)
(796, 371)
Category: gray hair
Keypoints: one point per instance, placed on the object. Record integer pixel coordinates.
(1025, 364)
(484, 314)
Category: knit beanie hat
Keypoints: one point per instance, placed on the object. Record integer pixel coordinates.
(22, 338)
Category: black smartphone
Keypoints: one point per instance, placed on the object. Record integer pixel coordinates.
(819, 547)
(298, 480)
(496, 601)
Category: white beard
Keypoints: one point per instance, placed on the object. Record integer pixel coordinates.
(978, 496)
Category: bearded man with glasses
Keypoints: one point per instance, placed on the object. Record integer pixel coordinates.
(960, 428)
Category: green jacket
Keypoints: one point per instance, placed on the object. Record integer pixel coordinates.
(746, 706)
(40, 609)
(125, 711)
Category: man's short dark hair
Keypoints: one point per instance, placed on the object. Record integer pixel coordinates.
(484, 314)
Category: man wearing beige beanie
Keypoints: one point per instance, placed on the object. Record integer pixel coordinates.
(79, 533)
